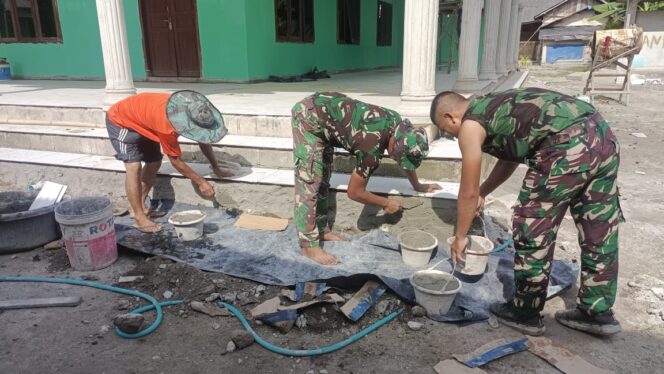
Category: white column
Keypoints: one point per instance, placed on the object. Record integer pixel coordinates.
(511, 43)
(115, 51)
(419, 53)
(503, 37)
(469, 43)
(517, 37)
(491, 27)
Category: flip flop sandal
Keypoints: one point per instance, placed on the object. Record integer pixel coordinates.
(155, 214)
(145, 229)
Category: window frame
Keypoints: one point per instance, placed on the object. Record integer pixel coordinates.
(359, 24)
(295, 38)
(379, 42)
(38, 39)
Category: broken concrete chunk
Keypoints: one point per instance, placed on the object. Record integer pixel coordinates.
(301, 321)
(57, 244)
(242, 338)
(382, 307)
(209, 309)
(130, 278)
(130, 323)
(123, 305)
(230, 347)
(229, 297)
(213, 296)
(418, 311)
(415, 326)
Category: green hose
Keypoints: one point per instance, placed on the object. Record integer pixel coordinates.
(154, 304)
(78, 282)
(309, 352)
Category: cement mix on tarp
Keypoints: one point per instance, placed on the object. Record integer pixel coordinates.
(274, 258)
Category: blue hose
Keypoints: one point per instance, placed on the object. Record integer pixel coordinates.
(77, 282)
(154, 304)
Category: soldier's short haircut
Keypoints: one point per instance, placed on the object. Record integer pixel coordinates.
(446, 101)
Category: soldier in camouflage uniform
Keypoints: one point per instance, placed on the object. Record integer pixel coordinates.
(327, 120)
(572, 157)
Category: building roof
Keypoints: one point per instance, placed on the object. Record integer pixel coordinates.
(535, 7)
(568, 33)
(555, 4)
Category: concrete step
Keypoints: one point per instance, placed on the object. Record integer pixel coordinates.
(249, 175)
(237, 124)
(442, 163)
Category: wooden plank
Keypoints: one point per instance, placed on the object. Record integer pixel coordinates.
(593, 92)
(40, 303)
(249, 221)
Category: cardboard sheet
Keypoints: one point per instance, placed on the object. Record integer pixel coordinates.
(331, 298)
(561, 358)
(455, 367)
(249, 221)
(367, 296)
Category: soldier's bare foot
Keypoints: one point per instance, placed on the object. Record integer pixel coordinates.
(319, 255)
(329, 236)
(147, 226)
(148, 213)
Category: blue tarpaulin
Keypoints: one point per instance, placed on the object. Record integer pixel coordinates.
(274, 258)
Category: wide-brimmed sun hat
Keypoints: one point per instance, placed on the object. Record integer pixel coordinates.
(411, 146)
(194, 117)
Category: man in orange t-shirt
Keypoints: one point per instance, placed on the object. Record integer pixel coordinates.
(140, 125)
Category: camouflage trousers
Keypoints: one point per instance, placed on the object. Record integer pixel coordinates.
(312, 158)
(576, 168)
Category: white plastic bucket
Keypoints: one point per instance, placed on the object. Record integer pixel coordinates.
(476, 256)
(88, 232)
(429, 294)
(188, 224)
(416, 247)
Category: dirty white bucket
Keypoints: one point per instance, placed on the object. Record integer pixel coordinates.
(476, 256)
(416, 247)
(188, 224)
(88, 232)
(429, 293)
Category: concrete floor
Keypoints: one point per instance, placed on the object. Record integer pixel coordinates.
(381, 87)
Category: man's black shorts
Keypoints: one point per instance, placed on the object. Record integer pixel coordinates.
(132, 146)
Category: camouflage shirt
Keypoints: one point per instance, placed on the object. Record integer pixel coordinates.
(360, 128)
(517, 121)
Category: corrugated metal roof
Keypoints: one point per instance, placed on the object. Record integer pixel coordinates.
(568, 33)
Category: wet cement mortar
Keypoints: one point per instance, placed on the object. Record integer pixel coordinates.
(80, 339)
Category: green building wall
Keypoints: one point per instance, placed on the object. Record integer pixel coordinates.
(237, 39)
(268, 57)
(79, 55)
